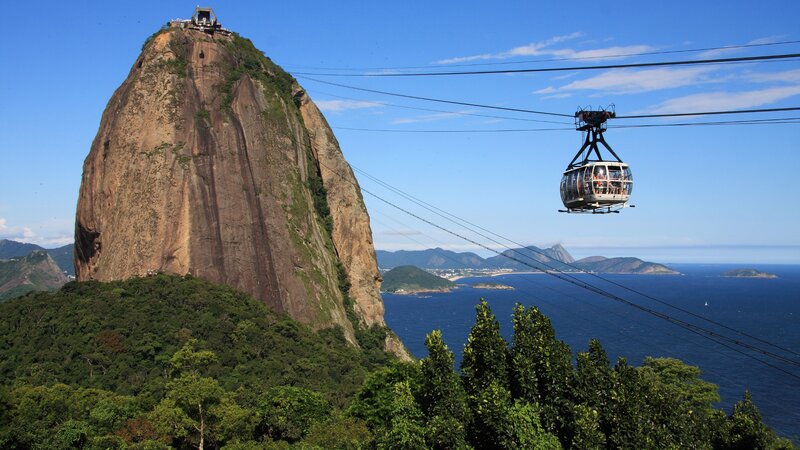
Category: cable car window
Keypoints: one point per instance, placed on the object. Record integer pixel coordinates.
(630, 188)
(599, 172)
(600, 187)
(627, 173)
(614, 172)
(575, 193)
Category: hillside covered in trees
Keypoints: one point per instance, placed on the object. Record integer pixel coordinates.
(178, 362)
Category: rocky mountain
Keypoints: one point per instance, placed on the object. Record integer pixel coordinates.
(555, 257)
(436, 258)
(34, 272)
(11, 249)
(212, 161)
(63, 256)
(520, 260)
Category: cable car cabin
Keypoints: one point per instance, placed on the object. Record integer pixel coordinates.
(597, 186)
(591, 184)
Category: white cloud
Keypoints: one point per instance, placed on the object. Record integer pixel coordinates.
(637, 81)
(401, 233)
(562, 95)
(727, 51)
(430, 117)
(57, 233)
(345, 105)
(537, 48)
(602, 53)
(532, 49)
(547, 90)
(787, 76)
(725, 100)
(543, 48)
(15, 233)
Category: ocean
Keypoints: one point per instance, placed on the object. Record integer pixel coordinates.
(765, 308)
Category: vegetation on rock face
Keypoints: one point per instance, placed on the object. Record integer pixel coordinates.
(413, 279)
(121, 335)
(169, 361)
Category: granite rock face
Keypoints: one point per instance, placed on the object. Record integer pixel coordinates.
(210, 160)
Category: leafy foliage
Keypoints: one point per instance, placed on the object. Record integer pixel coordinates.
(121, 336)
(169, 362)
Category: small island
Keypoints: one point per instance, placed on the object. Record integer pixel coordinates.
(413, 280)
(748, 273)
(497, 286)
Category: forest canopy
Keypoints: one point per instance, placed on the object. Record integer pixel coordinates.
(177, 362)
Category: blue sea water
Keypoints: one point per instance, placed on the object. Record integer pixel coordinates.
(765, 308)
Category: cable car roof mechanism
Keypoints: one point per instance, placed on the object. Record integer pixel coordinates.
(591, 184)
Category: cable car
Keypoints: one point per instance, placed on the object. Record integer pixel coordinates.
(590, 185)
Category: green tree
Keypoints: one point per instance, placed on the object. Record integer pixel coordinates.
(541, 367)
(484, 373)
(405, 430)
(442, 397)
(485, 358)
(373, 403)
(197, 409)
(501, 424)
(586, 429)
(525, 432)
(6, 435)
(680, 402)
(287, 412)
(593, 382)
(339, 433)
(49, 416)
(684, 379)
(745, 430)
(628, 415)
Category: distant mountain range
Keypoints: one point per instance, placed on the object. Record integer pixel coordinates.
(556, 257)
(61, 255)
(36, 271)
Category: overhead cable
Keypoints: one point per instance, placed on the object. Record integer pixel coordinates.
(438, 100)
(707, 334)
(579, 58)
(456, 113)
(694, 62)
(548, 113)
(775, 121)
(460, 221)
(711, 113)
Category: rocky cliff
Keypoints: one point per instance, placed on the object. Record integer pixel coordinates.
(212, 161)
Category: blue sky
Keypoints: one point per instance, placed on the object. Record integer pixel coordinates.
(711, 194)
